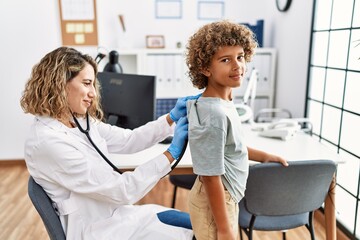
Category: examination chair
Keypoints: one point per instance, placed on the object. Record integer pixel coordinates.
(44, 207)
(279, 198)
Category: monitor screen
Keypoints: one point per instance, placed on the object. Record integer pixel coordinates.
(128, 100)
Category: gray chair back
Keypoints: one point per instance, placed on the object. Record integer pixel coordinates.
(275, 190)
(44, 207)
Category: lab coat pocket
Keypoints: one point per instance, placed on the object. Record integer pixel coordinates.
(68, 211)
(75, 226)
(66, 206)
(111, 227)
(102, 229)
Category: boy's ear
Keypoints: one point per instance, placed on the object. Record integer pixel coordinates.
(206, 72)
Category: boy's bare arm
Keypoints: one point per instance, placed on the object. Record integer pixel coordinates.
(216, 195)
(260, 156)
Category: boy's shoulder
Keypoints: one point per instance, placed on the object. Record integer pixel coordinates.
(208, 110)
(206, 104)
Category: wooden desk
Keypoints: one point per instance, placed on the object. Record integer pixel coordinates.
(301, 147)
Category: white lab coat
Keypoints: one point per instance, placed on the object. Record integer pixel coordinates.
(93, 201)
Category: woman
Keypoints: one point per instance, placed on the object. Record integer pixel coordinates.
(93, 200)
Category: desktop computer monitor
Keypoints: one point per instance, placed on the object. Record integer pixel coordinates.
(128, 100)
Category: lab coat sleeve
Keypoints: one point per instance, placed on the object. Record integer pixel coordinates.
(127, 141)
(60, 162)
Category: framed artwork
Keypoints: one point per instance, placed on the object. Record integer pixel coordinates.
(168, 9)
(155, 41)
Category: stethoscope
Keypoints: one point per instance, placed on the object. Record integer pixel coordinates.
(87, 130)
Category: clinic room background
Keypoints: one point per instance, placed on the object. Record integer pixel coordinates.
(30, 29)
(28, 34)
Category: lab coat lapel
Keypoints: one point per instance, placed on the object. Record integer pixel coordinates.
(61, 128)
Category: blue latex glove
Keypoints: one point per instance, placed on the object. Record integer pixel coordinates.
(180, 107)
(179, 139)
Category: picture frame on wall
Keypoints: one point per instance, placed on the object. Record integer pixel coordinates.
(168, 9)
(155, 41)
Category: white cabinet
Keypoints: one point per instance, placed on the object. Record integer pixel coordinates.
(168, 65)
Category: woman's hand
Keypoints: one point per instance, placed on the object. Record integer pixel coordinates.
(179, 139)
(180, 108)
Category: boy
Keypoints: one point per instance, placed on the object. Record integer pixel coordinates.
(216, 56)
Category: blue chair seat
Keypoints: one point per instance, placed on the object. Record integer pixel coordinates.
(175, 218)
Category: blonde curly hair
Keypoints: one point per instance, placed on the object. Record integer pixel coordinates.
(203, 45)
(45, 92)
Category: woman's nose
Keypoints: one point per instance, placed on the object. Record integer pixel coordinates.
(92, 92)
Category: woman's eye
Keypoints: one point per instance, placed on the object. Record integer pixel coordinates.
(225, 60)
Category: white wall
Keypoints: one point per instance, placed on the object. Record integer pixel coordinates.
(289, 33)
(31, 28)
(292, 39)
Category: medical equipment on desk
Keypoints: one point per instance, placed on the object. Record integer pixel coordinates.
(87, 130)
(283, 129)
(244, 109)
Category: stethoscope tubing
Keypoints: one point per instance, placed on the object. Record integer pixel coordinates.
(180, 157)
(87, 134)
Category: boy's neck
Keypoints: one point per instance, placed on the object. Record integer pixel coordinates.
(225, 95)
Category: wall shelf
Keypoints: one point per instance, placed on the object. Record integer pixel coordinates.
(168, 65)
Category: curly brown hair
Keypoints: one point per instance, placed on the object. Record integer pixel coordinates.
(203, 45)
(45, 93)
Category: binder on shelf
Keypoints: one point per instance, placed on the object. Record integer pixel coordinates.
(170, 64)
